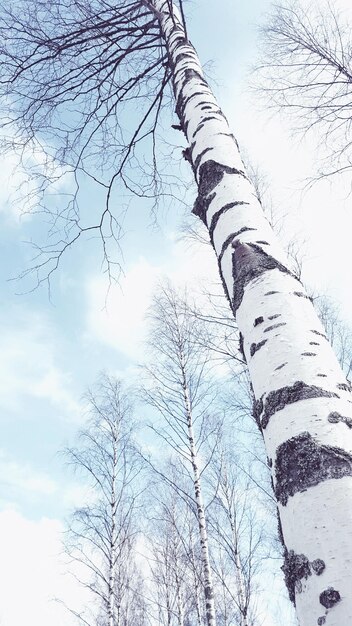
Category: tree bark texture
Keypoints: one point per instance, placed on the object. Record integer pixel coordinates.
(302, 399)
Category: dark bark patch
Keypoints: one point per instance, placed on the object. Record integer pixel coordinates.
(318, 566)
(258, 320)
(258, 407)
(199, 127)
(308, 354)
(300, 294)
(182, 103)
(280, 366)
(200, 156)
(329, 598)
(248, 262)
(321, 620)
(181, 56)
(221, 212)
(274, 317)
(278, 399)
(295, 568)
(280, 533)
(256, 346)
(301, 463)
(241, 348)
(230, 239)
(267, 330)
(322, 375)
(270, 293)
(210, 175)
(201, 206)
(344, 386)
(335, 418)
(263, 243)
(316, 332)
(314, 343)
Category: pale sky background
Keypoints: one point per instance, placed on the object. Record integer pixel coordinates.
(51, 351)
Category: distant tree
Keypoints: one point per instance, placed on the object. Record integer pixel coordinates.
(306, 70)
(178, 388)
(102, 534)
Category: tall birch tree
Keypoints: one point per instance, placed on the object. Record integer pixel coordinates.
(302, 400)
(102, 533)
(178, 387)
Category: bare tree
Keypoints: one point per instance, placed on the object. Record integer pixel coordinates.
(237, 533)
(338, 332)
(178, 387)
(176, 564)
(306, 69)
(102, 534)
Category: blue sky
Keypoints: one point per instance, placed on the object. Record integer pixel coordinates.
(52, 350)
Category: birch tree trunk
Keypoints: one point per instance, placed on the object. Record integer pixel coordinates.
(203, 534)
(114, 616)
(302, 400)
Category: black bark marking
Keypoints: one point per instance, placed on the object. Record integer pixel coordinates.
(300, 294)
(295, 568)
(278, 399)
(200, 156)
(210, 175)
(241, 348)
(258, 407)
(301, 463)
(263, 243)
(218, 214)
(248, 262)
(258, 320)
(199, 127)
(321, 620)
(280, 534)
(270, 293)
(308, 353)
(273, 317)
(280, 366)
(256, 346)
(322, 375)
(344, 386)
(316, 332)
(269, 462)
(318, 566)
(314, 343)
(329, 598)
(267, 330)
(335, 418)
(180, 56)
(182, 103)
(187, 155)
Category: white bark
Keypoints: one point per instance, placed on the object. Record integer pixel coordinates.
(203, 534)
(114, 615)
(303, 403)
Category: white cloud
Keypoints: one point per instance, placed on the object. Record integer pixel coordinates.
(28, 365)
(119, 319)
(21, 476)
(32, 573)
